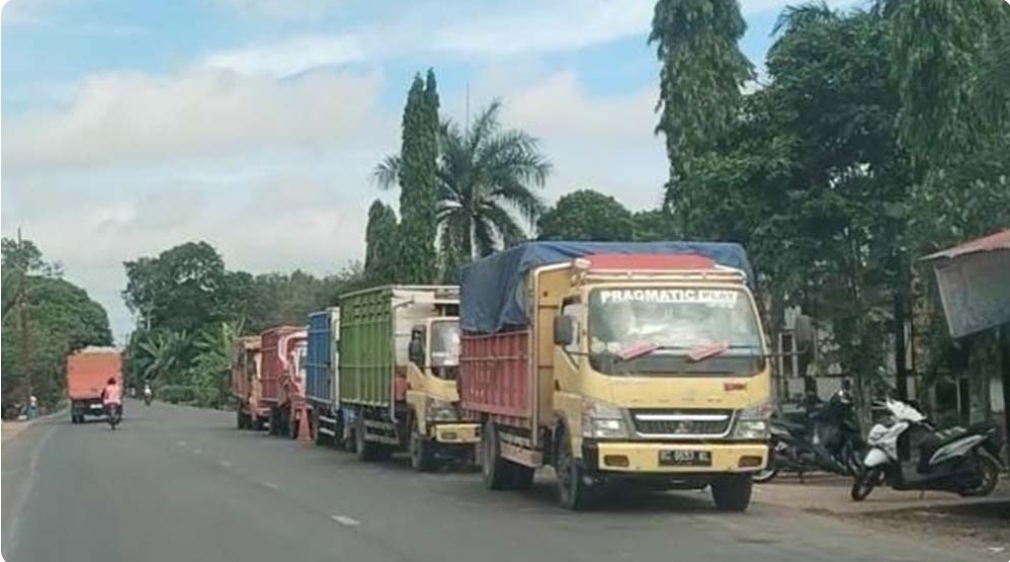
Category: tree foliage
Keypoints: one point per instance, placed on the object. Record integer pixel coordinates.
(587, 215)
(486, 175)
(417, 173)
(61, 319)
(380, 244)
(701, 76)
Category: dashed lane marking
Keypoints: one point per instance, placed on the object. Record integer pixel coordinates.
(226, 464)
(270, 485)
(346, 521)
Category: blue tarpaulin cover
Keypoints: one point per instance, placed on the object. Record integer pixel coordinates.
(493, 289)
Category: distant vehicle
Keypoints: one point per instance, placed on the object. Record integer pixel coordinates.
(398, 366)
(246, 387)
(960, 460)
(321, 381)
(641, 364)
(87, 372)
(282, 378)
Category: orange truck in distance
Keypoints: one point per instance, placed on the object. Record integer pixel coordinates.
(87, 372)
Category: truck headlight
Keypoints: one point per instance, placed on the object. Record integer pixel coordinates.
(752, 423)
(440, 410)
(603, 421)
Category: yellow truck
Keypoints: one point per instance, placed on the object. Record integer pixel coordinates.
(398, 368)
(641, 364)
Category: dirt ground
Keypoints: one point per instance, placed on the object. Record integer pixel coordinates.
(986, 525)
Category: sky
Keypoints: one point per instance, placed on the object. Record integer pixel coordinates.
(129, 127)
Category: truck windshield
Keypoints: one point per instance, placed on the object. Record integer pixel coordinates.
(445, 338)
(681, 330)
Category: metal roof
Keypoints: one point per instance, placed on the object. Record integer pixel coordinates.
(997, 241)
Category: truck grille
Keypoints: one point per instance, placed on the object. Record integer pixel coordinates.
(707, 423)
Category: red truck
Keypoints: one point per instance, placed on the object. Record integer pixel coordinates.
(88, 370)
(282, 377)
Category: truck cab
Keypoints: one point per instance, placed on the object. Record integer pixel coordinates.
(433, 394)
(658, 371)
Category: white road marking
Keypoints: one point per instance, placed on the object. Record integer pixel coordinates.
(26, 491)
(180, 443)
(226, 464)
(197, 451)
(346, 521)
(270, 485)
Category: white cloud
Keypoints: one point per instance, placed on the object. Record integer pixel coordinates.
(454, 28)
(286, 9)
(289, 57)
(119, 118)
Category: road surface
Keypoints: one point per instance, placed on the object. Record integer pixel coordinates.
(176, 483)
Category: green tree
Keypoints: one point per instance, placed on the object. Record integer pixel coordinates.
(484, 173)
(381, 242)
(703, 71)
(180, 289)
(654, 225)
(53, 319)
(418, 180)
(587, 215)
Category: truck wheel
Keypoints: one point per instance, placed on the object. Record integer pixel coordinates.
(573, 492)
(291, 422)
(495, 470)
(239, 418)
(275, 421)
(422, 451)
(257, 423)
(732, 493)
(364, 449)
(522, 476)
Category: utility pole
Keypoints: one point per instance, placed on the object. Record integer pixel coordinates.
(25, 328)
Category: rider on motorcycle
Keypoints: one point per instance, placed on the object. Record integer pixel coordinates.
(112, 397)
(147, 392)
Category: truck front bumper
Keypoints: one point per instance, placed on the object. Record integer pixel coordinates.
(455, 433)
(657, 458)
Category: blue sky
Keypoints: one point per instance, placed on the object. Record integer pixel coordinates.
(129, 127)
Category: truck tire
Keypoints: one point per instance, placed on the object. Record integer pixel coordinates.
(422, 451)
(495, 470)
(240, 418)
(366, 451)
(732, 493)
(275, 421)
(291, 422)
(573, 492)
(522, 476)
(257, 422)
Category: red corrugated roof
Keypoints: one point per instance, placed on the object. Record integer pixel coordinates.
(998, 241)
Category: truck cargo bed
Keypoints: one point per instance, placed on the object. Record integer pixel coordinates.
(273, 366)
(320, 355)
(495, 376)
(89, 370)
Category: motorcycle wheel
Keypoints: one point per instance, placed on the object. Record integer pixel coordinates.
(852, 458)
(765, 475)
(865, 482)
(988, 477)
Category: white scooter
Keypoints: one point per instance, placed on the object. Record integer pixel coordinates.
(959, 460)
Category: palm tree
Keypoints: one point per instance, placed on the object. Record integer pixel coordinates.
(485, 175)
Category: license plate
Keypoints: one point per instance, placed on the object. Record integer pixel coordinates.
(96, 406)
(685, 457)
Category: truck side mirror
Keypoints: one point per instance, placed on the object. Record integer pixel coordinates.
(415, 351)
(564, 330)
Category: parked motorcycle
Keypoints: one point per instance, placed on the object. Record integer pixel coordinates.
(908, 453)
(114, 415)
(829, 440)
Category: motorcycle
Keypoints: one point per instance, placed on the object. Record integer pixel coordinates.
(908, 453)
(829, 441)
(114, 415)
(147, 399)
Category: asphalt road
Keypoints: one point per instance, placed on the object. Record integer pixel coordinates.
(176, 483)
